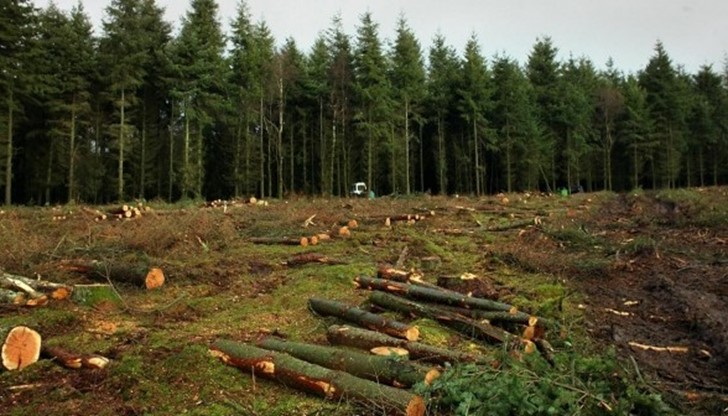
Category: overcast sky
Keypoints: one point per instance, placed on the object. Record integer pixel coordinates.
(694, 32)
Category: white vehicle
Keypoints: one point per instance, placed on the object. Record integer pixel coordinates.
(359, 189)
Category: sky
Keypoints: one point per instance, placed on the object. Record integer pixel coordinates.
(693, 32)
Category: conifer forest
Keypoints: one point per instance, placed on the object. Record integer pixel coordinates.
(139, 110)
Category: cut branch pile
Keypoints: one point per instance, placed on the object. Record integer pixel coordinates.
(20, 290)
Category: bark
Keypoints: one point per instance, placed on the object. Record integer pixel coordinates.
(500, 317)
(318, 380)
(366, 339)
(363, 318)
(36, 289)
(308, 258)
(72, 360)
(20, 348)
(303, 241)
(135, 274)
(433, 295)
(460, 323)
(388, 370)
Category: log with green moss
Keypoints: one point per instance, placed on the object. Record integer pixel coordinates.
(430, 294)
(137, 274)
(315, 379)
(460, 323)
(366, 339)
(363, 318)
(394, 371)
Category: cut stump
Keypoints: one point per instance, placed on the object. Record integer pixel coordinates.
(21, 348)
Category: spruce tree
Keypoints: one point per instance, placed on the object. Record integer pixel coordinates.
(474, 106)
(515, 124)
(441, 85)
(17, 27)
(200, 72)
(543, 73)
(374, 102)
(408, 81)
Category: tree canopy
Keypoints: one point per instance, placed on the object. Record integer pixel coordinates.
(140, 112)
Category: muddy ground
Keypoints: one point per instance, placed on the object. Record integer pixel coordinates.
(642, 272)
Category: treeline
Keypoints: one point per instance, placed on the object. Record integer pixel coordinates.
(140, 113)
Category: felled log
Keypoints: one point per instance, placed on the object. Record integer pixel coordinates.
(460, 323)
(72, 360)
(470, 285)
(369, 340)
(134, 274)
(363, 318)
(57, 291)
(308, 258)
(434, 295)
(514, 225)
(499, 317)
(388, 370)
(20, 348)
(303, 241)
(311, 378)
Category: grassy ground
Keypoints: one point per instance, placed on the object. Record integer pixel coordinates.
(219, 285)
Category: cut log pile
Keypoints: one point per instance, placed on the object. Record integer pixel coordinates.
(395, 359)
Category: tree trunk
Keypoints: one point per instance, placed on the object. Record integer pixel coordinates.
(441, 161)
(122, 139)
(279, 167)
(135, 274)
(170, 171)
(303, 241)
(363, 318)
(143, 156)
(72, 154)
(36, 289)
(477, 155)
(385, 369)
(308, 258)
(366, 339)
(408, 188)
(460, 323)
(9, 150)
(262, 149)
(318, 380)
(72, 360)
(20, 348)
(433, 295)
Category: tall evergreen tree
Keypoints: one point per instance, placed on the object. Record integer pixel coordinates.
(515, 124)
(201, 70)
(441, 85)
(667, 111)
(709, 123)
(609, 106)
(408, 80)
(543, 73)
(17, 27)
(341, 78)
(375, 101)
(475, 102)
(318, 90)
(122, 54)
(634, 129)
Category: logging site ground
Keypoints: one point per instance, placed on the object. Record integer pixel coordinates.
(636, 285)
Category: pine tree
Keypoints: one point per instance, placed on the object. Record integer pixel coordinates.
(341, 79)
(634, 129)
(201, 71)
(474, 104)
(318, 90)
(441, 86)
(609, 106)
(123, 55)
(374, 100)
(667, 111)
(408, 80)
(17, 27)
(515, 124)
(543, 73)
